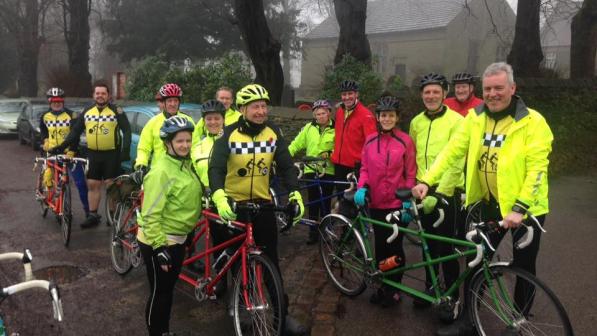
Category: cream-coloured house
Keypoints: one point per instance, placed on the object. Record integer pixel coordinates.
(412, 37)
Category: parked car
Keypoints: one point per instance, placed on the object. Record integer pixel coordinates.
(139, 115)
(10, 109)
(28, 122)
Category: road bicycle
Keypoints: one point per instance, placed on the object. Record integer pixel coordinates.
(55, 193)
(29, 283)
(534, 310)
(257, 302)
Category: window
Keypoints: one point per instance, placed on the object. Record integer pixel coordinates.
(550, 60)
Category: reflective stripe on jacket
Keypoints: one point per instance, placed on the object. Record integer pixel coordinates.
(315, 141)
(522, 164)
(387, 163)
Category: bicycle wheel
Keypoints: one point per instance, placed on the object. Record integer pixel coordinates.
(533, 310)
(110, 215)
(40, 194)
(264, 292)
(119, 251)
(343, 254)
(473, 215)
(67, 216)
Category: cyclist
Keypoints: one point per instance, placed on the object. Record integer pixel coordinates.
(171, 207)
(213, 113)
(54, 126)
(159, 101)
(240, 168)
(150, 142)
(354, 122)
(464, 94)
(507, 146)
(102, 122)
(223, 95)
(316, 138)
(388, 162)
(431, 130)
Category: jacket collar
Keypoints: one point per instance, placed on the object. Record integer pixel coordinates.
(330, 123)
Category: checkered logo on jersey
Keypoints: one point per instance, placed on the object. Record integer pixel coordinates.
(256, 147)
(57, 123)
(100, 118)
(493, 140)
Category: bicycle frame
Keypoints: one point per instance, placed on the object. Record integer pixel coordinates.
(59, 165)
(247, 247)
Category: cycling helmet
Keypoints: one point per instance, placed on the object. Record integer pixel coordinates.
(463, 77)
(213, 106)
(170, 90)
(174, 125)
(251, 93)
(433, 78)
(387, 103)
(55, 94)
(322, 103)
(348, 85)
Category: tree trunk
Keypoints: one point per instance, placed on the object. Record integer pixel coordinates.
(28, 45)
(263, 48)
(583, 48)
(77, 41)
(351, 16)
(526, 55)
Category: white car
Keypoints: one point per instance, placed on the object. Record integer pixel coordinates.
(9, 114)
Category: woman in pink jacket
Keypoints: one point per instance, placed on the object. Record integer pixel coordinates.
(387, 163)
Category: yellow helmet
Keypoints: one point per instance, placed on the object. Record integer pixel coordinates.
(251, 93)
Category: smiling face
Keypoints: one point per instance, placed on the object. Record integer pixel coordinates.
(171, 104)
(387, 120)
(224, 97)
(349, 98)
(57, 106)
(255, 112)
(433, 96)
(101, 95)
(214, 122)
(498, 91)
(180, 144)
(462, 91)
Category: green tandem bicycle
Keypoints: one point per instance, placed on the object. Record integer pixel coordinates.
(348, 257)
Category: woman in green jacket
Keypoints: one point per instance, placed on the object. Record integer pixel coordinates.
(171, 207)
(317, 140)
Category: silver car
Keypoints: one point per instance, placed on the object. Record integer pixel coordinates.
(9, 114)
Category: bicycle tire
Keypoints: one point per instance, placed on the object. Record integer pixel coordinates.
(339, 246)
(66, 217)
(110, 220)
(39, 193)
(473, 215)
(264, 284)
(541, 313)
(120, 254)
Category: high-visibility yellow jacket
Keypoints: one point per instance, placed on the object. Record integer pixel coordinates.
(315, 140)
(522, 163)
(150, 142)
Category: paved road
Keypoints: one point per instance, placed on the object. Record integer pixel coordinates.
(99, 302)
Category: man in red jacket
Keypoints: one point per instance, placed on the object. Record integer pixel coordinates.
(464, 94)
(354, 122)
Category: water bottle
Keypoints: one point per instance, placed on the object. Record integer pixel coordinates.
(389, 263)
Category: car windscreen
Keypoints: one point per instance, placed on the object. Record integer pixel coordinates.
(12, 107)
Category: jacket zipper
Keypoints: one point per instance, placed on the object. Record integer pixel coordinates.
(252, 173)
(427, 145)
(342, 141)
(487, 160)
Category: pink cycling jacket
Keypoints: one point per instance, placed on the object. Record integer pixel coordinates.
(387, 163)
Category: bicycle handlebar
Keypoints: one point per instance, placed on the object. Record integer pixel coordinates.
(43, 284)
(309, 161)
(289, 210)
(25, 257)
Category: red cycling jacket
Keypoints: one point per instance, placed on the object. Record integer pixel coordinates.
(351, 134)
(463, 107)
(388, 163)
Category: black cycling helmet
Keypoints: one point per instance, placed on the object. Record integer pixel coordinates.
(213, 106)
(463, 77)
(433, 78)
(174, 125)
(55, 94)
(348, 85)
(387, 103)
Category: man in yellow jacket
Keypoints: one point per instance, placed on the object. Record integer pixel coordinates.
(507, 146)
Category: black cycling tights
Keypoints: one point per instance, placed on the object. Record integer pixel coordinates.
(161, 288)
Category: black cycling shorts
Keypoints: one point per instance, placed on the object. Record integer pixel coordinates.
(103, 165)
